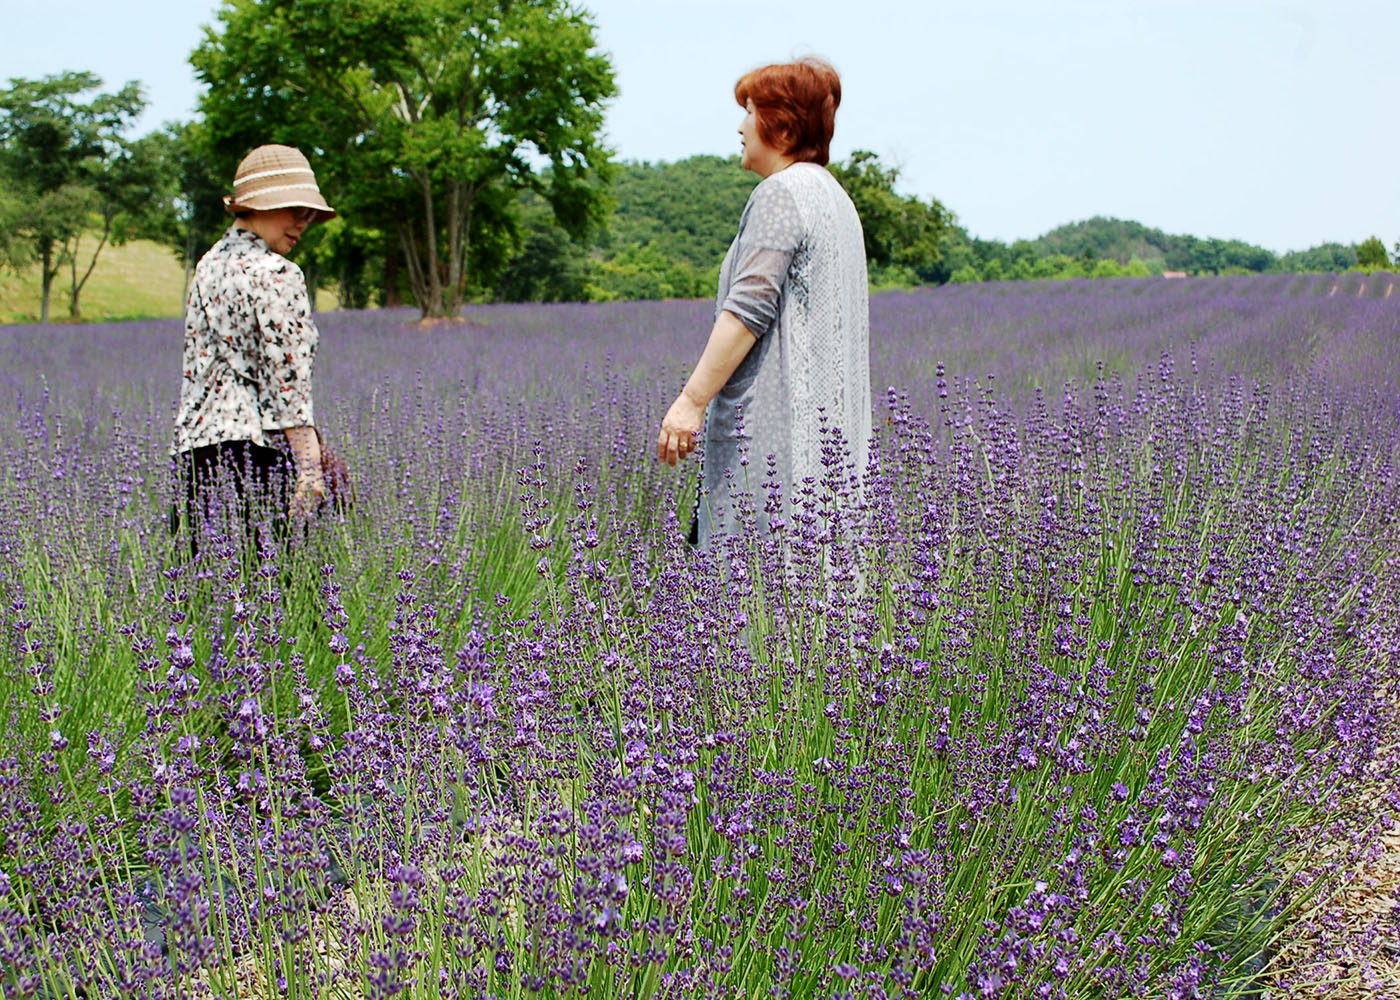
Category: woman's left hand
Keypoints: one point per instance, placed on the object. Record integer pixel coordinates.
(679, 430)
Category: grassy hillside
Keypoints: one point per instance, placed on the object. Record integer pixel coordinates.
(140, 280)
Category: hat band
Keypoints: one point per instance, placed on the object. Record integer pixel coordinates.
(280, 171)
(275, 189)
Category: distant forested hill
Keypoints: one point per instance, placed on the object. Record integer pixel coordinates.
(1107, 247)
(671, 223)
(687, 210)
(1121, 240)
(669, 228)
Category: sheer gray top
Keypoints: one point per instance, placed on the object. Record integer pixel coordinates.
(795, 276)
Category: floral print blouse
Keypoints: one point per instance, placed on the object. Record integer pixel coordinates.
(250, 344)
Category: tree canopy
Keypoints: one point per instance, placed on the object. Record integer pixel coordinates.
(900, 230)
(423, 118)
(673, 222)
(64, 161)
(1371, 255)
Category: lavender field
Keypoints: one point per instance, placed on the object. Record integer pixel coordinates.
(1084, 687)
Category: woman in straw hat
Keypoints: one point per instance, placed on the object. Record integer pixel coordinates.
(250, 344)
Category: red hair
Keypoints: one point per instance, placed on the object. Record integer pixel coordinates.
(796, 106)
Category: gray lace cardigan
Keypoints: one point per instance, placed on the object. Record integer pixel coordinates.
(795, 275)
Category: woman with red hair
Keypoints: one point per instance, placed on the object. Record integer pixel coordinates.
(790, 341)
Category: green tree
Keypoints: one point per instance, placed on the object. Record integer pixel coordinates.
(195, 212)
(133, 192)
(15, 250)
(955, 253)
(424, 118)
(900, 230)
(645, 273)
(1325, 257)
(548, 266)
(1371, 255)
(352, 256)
(689, 210)
(1051, 267)
(63, 161)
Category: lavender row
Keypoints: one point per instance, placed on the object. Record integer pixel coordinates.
(1070, 692)
(1350, 284)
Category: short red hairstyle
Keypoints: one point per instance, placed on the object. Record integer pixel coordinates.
(796, 106)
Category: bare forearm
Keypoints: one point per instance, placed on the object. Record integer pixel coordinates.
(730, 342)
(306, 451)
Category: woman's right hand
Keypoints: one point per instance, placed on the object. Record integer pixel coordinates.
(730, 341)
(310, 491)
(310, 487)
(679, 429)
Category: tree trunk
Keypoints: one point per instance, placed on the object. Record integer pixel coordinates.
(77, 286)
(417, 279)
(434, 308)
(47, 271)
(392, 296)
(466, 227)
(189, 258)
(454, 247)
(312, 274)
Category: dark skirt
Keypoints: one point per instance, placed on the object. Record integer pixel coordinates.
(231, 487)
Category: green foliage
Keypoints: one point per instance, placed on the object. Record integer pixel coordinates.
(1121, 241)
(893, 276)
(688, 210)
(667, 230)
(1055, 267)
(1103, 238)
(645, 273)
(16, 252)
(425, 118)
(673, 223)
(195, 209)
(673, 216)
(1104, 247)
(548, 266)
(900, 230)
(134, 196)
(1371, 255)
(63, 162)
(1324, 258)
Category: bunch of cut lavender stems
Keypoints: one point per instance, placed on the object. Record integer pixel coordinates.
(1078, 688)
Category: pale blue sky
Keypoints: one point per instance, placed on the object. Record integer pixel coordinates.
(1270, 121)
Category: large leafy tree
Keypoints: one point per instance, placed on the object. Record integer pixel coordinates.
(191, 215)
(900, 230)
(1371, 255)
(64, 162)
(131, 193)
(424, 118)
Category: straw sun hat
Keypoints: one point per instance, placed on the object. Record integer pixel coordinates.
(276, 177)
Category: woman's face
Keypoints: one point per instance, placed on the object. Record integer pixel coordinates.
(757, 156)
(280, 228)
